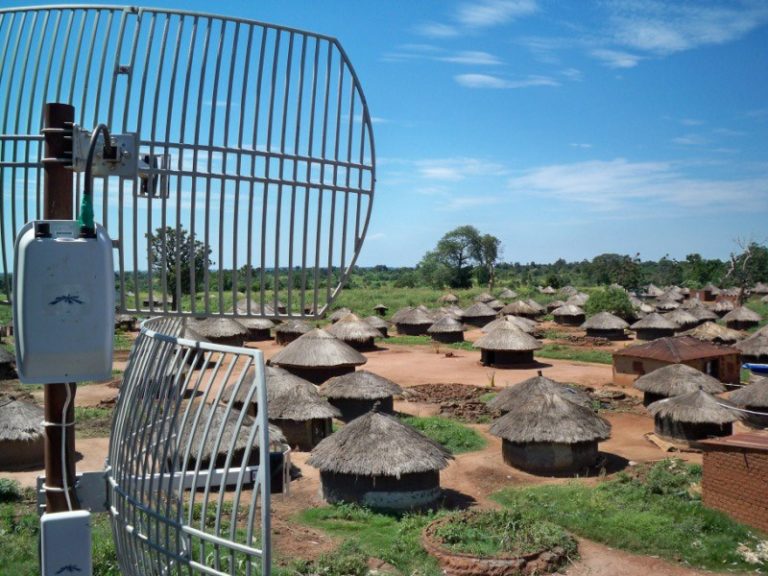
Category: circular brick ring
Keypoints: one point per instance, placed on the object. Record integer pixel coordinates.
(460, 564)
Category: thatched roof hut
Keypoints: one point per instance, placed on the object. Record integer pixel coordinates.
(667, 305)
(339, 314)
(7, 365)
(378, 461)
(605, 325)
(754, 348)
(448, 299)
(710, 292)
(256, 309)
(413, 322)
(742, 318)
(578, 299)
(484, 297)
(722, 307)
(258, 328)
(447, 330)
(355, 332)
(713, 332)
(21, 434)
(548, 434)
(547, 290)
(675, 380)
(479, 314)
(288, 331)
(525, 324)
(684, 320)
(691, 303)
(521, 308)
(356, 394)
(569, 315)
(495, 304)
(703, 313)
(512, 396)
(378, 323)
(568, 291)
(653, 291)
(653, 326)
(507, 294)
(125, 322)
(219, 330)
(506, 345)
(451, 310)
(381, 309)
(693, 416)
(760, 288)
(554, 305)
(753, 397)
(317, 356)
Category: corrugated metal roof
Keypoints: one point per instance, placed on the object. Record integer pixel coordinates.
(755, 441)
(676, 349)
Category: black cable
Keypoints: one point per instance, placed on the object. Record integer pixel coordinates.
(87, 227)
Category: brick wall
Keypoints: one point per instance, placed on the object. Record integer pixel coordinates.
(735, 481)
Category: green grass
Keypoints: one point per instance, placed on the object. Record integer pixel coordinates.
(560, 352)
(392, 538)
(93, 422)
(454, 437)
(487, 397)
(122, 341)
(405, 340)
(658, 514)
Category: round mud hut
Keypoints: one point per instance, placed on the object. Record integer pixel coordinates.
(675, 380)
(693, 416)
(754, 398)
(357, 393)
(355, 332)
(381, 309)
(605, 325)
(742, 318)
(549, 434)
(506, 346)
(378, 323)
(21, 434)
(219, 330)
(317, 356)
(378, 461)
(684, 319)
(287, 332)
(447, 330)
(495, 304)
(722, 307)
(525, 324)
(667, 304)
(246, 306)
(569, 315)
(339, 314)
(513, 396)
(554, 305)
(258, 328)
(484, 298)
(710, 292)
(479, 314)
(755, 348)
(507, 294)
(448, 299)
(413, 322)
(521, 308)
(713, 332)
(578, 299)
(653, 326)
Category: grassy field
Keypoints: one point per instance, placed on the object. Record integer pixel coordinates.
(93, 422)
(657, 512)
(425, 341)
(561, 352)
(453, 436)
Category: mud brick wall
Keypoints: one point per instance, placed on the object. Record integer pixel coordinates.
(735, 481)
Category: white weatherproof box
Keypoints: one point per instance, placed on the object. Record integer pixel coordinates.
(63, 303)
(65, 542)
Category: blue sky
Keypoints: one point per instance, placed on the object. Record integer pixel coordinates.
(567, 129)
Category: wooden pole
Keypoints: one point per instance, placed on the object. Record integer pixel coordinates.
(58, 205)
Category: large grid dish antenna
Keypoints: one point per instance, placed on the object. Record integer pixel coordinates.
(253, 138)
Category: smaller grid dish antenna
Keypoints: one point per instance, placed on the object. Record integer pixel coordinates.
(245, 169)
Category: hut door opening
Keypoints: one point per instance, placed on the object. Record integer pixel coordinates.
(712, 367)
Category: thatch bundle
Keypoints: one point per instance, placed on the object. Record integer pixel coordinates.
(764, 299)
(569, 314)
(753, 397)
(355, 394)
(681, 318)
(219, 330)
(355, 332)
(125, 322)
(742, 318)
(447, 329)
(512, 396)
(693, 416)
(317, 356)
(525, 324)
(479, 314)
(675, 380)
(379, 324)
(713, 332)
(288, 331)
(21, 434)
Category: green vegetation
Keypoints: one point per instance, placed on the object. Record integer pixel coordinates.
(654, 510)
(392, 538)
(406, 340)
(613, 300)
(93, 422)
(122, 341)
(458, 254)
(560, 352)
(487, 397)
(10, 490)
(454, 437)
(502, 532)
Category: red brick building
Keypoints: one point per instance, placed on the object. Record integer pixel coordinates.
(735, 477)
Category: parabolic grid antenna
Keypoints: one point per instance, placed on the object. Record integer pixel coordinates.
(249, 142)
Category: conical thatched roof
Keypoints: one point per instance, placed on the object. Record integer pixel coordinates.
(448, 298)
(711, 288)
(446, 325)
(677, 379)
(730, 291)
(376, 322)
(524, 324)
(378, 444)
(293, 327)
(495, 304)
(256, 323)
(400, 313)
(413, 317)
(742, 314)
(507, 337)
(605, 321)
(382, 307)
(764, 299)
(352, 329)
(724, 306)
(653, 321)
(512, 396)
(755, 345)
(555, 304)
(535, 305)
(215, 328)
(754, 395)
(548, 290)
(242, 307)
(339, 314)
(547, 416)
(691, 303)
(479, 310)
(318, 349)
(292, 398)
(568, 310)
(681, 318)
(696, 407)
(654, 291)
(20, 420)
(520, 307)
(578, 299)
(702, 313)
(484, 297)
(760, 288)
(452, 310)
(360, 384)
(568, 291)
(713, 332)
(507, 294)
(667, 305)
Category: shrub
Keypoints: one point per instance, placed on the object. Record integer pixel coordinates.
(10, 490)
(613, 300)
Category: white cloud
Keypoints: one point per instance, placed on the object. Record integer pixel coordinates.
(583, 145)
(618, 185)
(472, 57)
(456, 169)
(375, 236)
(691, 122)
(489, 81)
(729, 132)
(616, 58)
(437, 30)
(466, 202)
(494, 12)
(690, 140)
(572, 74)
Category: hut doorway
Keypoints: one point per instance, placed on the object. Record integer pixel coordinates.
(712, 368)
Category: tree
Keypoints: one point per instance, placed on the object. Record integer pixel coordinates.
(458, 253)
(175, 253)
(613, 300)
(748, 267)
(616, 268)
(486, 250)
